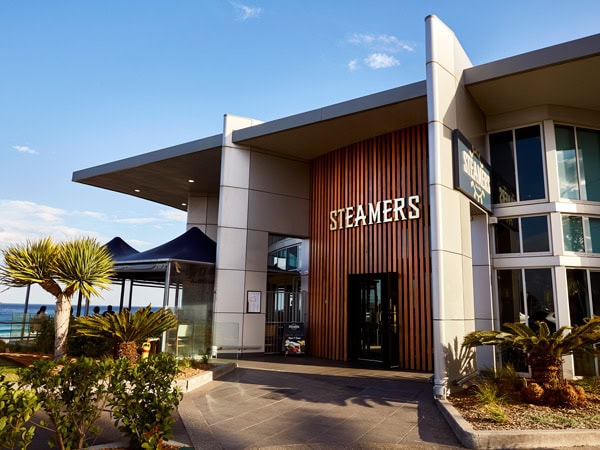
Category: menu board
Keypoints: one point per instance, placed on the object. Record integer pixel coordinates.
(293, 338)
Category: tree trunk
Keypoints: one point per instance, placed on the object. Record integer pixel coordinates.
(61, 325)
(128, 350)
(546, 369)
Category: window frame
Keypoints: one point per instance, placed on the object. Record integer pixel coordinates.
(513, 131)
(520, 232)
(582, 193)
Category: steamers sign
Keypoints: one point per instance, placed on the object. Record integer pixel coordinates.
(471, 172)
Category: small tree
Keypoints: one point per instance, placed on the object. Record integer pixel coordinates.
(61, 269)
(126, 329)
(543, 350)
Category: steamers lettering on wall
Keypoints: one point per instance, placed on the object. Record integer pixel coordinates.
(392, 210)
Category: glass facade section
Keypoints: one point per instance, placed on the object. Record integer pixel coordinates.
(507, 236)
(594, 234)
(567, 163)
(581, 306)
(573, 237)
(581, 234)
(503, 167)
(534, 231)
(589, 147)
(526, 296)
(517, 162)
(524, 235)
(530, 166)
(578, 158)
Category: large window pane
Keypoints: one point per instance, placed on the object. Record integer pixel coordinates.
(530, 164)
(593, 235)
(510, 293)
(512, 309)
(579, 309)
(503, 165)
(573, 233)
(540, 297)
(535, 234)
(567, 163)
(507, 236)
(595, 282)
(578, 296)
(589, 154)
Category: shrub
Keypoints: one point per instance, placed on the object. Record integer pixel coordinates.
(144, 398)
(73, 394)
(17, 406)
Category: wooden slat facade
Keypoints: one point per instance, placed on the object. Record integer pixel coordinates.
(390, 166)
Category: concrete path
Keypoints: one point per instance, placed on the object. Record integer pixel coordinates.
(301, 403)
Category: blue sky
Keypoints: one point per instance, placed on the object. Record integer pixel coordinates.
(88, 82)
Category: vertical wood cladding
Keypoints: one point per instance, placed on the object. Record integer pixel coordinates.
(390, 166)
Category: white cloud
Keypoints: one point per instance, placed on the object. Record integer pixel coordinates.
(246, 12)
(173, 215)
(25, 149)
(381, 61)
(380, 42)
(22, 220)
(353, 65)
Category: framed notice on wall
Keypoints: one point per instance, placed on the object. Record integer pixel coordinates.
(253, 303)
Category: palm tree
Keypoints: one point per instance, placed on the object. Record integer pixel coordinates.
(62, 269)
(128, 330)
(542, 349)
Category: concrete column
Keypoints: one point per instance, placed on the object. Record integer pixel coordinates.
(449, 106)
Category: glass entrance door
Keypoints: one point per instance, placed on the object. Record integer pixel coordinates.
(373, 318)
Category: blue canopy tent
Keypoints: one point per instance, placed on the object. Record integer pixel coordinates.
(185, 265)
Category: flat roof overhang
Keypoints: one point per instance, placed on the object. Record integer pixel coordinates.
(565, 75)
(162, 176)
(308, 135)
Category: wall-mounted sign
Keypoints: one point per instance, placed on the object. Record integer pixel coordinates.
(253, 302)
(471, 172)
(392, 210)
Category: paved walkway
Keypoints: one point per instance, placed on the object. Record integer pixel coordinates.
(299, 402)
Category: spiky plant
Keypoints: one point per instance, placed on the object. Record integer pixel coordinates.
(127, 330)
(62, 269)
(543, 350)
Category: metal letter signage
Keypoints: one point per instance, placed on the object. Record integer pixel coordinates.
(391, 210)
(471, 172)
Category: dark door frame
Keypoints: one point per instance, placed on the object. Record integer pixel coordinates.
(388, 320)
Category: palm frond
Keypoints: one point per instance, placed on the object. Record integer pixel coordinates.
(127, 327)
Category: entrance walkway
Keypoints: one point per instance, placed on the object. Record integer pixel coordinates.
(304, 403)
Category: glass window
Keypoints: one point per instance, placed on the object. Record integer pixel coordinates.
(581, 234)
(567, 162)
(526, 296)
(507, 236)
(535, 234)
(525, 234)
(580, 307)
(578, 158)
(517, 162)
(540, 297)
(573, 233)
(503, 167)
(594, 234)
(530, 166)
(510, 294)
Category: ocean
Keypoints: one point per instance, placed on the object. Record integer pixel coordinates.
(11, 316)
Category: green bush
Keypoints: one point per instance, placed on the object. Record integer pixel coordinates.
(73, 394)
(17, 406)
(144, 398)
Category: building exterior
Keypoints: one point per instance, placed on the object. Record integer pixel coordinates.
(392, 225)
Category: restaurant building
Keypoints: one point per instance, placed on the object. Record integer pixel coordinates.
(388, 226)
